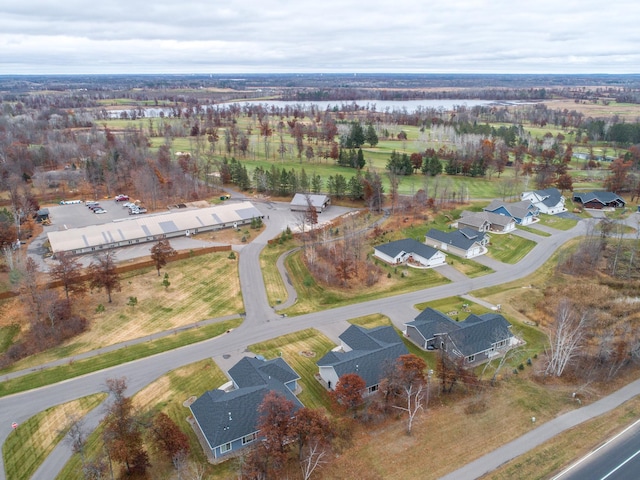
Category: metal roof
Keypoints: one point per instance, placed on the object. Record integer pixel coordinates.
(143, 226)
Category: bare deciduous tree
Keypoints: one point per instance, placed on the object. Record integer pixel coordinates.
(565, 337)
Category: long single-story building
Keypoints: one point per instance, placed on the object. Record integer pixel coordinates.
(599, 200)
(151, 228)
(409, 251)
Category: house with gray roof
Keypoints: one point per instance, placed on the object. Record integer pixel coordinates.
(476, 339)
(486, 222)
(549, 200)
(465, 242)
(599, 200)
(226, 419)
(409, 251)
(367, 352)
(523, 212)
(301, 202)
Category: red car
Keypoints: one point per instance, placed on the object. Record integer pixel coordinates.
(122, 198)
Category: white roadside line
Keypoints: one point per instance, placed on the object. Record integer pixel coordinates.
(596, 451)
(620, 466)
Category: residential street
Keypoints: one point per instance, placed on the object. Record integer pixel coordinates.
(262, 323)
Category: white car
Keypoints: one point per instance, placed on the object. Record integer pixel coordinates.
(100, 210)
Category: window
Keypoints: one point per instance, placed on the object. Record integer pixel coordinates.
(471, 358)
(374, 388)
(249, 438)
(225, 448)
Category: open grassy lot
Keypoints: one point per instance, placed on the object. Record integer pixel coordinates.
(509, 248)
(470, 268)
(454, 307)
(438, 432)
(371, 321)
(301, 350)
(313, 296)
(276, 291)
(123, 355)
(27, 446)
(557, 222)
(533, 230)
(167, 394)
(201, 288)
(559, 452)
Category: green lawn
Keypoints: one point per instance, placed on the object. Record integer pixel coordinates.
(533, 230)
(301, 350)
(557, 222)
(273, 282)
(314, 297)
(470, 268)
(509, 248)
(454, 307)
(7, 334)
(167, 394)
(29, 445)
(123, 355)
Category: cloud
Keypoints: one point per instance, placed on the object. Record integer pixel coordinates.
(244, 36)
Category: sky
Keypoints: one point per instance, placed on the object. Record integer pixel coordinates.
(313, 36)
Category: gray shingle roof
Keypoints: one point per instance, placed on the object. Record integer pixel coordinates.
(478, 218)
(464, 238)
(478, 333)
(250, 372)
(372, 351)
(300, 199)
(550, 196)
(227, 416)
(515, 209)
(431, 322)
(475, 334)
(602, 197)
(408, 245)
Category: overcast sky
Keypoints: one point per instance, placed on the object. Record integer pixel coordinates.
(256, 36)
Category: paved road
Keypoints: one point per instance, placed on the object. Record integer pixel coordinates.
(261, 324)
(617, 459)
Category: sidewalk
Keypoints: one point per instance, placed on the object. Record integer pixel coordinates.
(541, 434)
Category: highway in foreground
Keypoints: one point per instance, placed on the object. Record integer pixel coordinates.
(617, 459)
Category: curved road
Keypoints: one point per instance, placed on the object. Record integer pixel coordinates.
(261, 324)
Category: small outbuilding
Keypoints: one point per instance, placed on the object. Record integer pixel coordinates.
(302, 201)
(42, 215)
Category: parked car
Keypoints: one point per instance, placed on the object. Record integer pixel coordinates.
(95, 207)
(91, 203)
(122, 198)
(128, 204)
(99, 210)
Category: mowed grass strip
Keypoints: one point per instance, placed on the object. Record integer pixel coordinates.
(313, 296)
(273, 282)
(201, 288)
(371, 321)
(167, 394)
(534, 230)
(557, 222)
(28, 445)
(509, 248)
(301, 350)
(470, 268)
(123, 355)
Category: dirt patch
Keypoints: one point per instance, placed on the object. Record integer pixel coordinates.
(307, 354)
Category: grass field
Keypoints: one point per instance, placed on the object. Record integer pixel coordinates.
(533, 230)
(549, 458)
(313, 296)
(509, 248)
(470, 268)
(301, 350)
(454, 304)
(7, 334)
(27, 446)
(556, 222)
(191, 297)
(123, 355)
(276, 291)
(167, 394)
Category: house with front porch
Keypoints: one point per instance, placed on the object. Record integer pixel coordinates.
(524, 213)
(465, 242)
(411, 252)
(226, 419)
(486, 222)
(549, 200)
(366, 352)
(475, 340)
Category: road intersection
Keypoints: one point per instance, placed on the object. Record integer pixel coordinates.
(261, 323)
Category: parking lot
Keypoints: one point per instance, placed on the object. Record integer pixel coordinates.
(78, 215)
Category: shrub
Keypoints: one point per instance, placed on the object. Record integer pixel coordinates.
(232, 256)
(100, 308)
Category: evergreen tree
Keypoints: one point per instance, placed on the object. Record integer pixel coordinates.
(316, 183)
(360, 160)
(371, 137)
(356, 135)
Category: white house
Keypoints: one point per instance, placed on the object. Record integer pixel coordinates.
(549, 201)
(411, 252)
